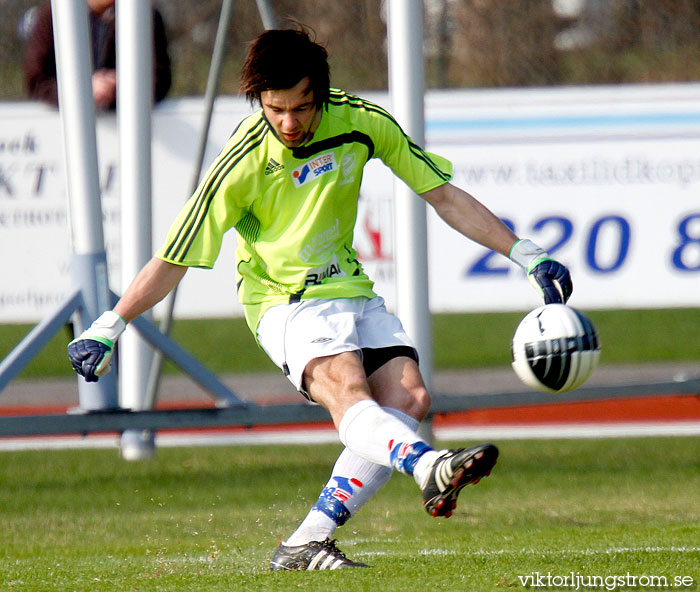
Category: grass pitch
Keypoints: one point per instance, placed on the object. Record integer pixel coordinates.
(209, 518)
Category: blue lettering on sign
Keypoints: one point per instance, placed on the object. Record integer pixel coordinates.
(617, 251)
(689, 240)
(623, 230)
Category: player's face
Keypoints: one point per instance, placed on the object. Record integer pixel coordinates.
(291, 112)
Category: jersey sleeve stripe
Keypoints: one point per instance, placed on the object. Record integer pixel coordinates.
(208, 189)
(420, 153)
(358, 103)
(193, 230)
(340, 98)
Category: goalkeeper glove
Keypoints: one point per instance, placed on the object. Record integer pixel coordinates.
(91, 352)
(548, 276)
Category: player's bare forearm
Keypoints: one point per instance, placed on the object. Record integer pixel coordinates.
(470, 217)
(149, 287)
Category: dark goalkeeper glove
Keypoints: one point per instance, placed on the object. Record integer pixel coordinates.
(91, 352)
(550, 278)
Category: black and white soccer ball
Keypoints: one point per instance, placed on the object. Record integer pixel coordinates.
(555, 348)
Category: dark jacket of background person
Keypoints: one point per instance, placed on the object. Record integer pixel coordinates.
(40, 58)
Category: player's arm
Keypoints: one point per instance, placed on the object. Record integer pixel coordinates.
(475, 221)
(149, 287)
(470, 217)
(91, 353)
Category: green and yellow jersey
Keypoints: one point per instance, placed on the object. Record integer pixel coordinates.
(294, 209)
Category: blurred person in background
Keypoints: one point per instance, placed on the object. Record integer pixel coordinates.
(40, 59)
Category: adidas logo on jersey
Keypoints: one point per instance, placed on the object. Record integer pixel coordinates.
(273, 166)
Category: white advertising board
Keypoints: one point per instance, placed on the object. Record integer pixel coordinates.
(34, 223)
(606, 178)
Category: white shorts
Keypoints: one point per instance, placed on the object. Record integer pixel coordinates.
(294, 334)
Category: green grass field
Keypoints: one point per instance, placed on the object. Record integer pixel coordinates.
(460, 340)
(209, 518)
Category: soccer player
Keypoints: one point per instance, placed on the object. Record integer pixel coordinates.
(288, 181)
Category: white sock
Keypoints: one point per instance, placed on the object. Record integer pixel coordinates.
(370, 432)
(315, 527)
(407, 420)
(424, 465)
(360, 478)
(353, 482)
(421, 472)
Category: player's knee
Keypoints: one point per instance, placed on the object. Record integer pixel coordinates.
(418, 403)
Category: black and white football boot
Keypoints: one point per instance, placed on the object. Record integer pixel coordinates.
(451, 472)
(314, 555)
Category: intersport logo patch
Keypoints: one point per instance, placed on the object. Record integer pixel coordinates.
(313, 169)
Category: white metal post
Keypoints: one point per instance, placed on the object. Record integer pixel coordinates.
(77, 110)
(406, 86)
(212, 89)
(267, 14)
(134, 104)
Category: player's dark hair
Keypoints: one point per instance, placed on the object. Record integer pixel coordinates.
(279, 58)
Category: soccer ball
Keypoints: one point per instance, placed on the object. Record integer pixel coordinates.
(555, 348)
